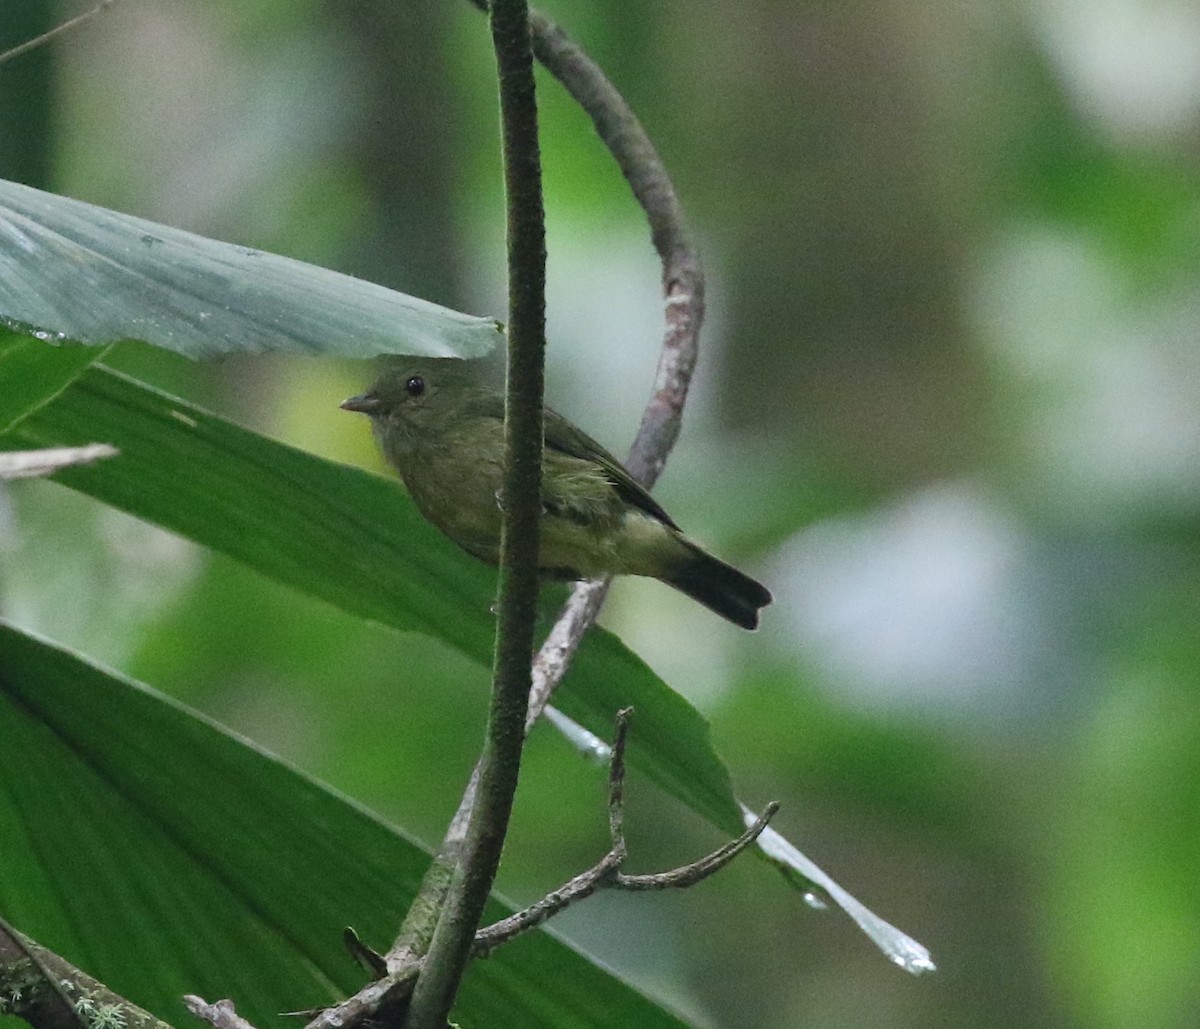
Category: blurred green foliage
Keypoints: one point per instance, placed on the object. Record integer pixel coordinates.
(949, 409)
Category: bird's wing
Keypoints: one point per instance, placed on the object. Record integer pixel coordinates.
(566, 439)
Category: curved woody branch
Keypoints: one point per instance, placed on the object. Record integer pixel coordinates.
(683, 297)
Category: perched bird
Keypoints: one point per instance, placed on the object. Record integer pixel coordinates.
(444, 433)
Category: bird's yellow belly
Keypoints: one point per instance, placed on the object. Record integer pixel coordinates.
(593, 536)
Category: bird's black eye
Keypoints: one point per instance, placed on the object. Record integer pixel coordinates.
(415, 386)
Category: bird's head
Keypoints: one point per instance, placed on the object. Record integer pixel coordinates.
(415, 397)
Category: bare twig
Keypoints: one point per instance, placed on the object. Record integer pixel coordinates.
(554, 657)
(682, 275)
(392, 990)
(45, 37)
(26, 464)
(220, 1014)
(683, 295)
(582, 886)
(616, 780)
(607, 874)
(688, 875)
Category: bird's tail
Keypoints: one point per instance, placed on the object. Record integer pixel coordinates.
(719, 586)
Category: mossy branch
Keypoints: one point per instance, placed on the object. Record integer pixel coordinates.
(487, 825)
(49, 992)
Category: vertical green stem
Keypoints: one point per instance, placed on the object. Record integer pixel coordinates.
(449, 949)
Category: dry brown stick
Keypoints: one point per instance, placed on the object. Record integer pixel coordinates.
(606, 874)
(683, 296)
(393, 989)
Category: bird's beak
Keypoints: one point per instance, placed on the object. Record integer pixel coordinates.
(364, 403)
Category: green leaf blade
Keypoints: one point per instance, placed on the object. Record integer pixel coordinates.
(165, 855)
(73, 271)
(343, 535)
(34, 373)
(354, 540)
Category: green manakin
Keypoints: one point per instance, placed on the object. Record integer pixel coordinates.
(444, 433)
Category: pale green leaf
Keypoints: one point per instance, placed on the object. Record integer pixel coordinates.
(74, 271)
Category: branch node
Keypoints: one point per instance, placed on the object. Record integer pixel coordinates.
(220, 1015)
(616, 780)
(607, 872)
(370, 959)
(688, 875)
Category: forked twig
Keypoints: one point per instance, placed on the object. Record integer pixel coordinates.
(393, 989)
(606, 873)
